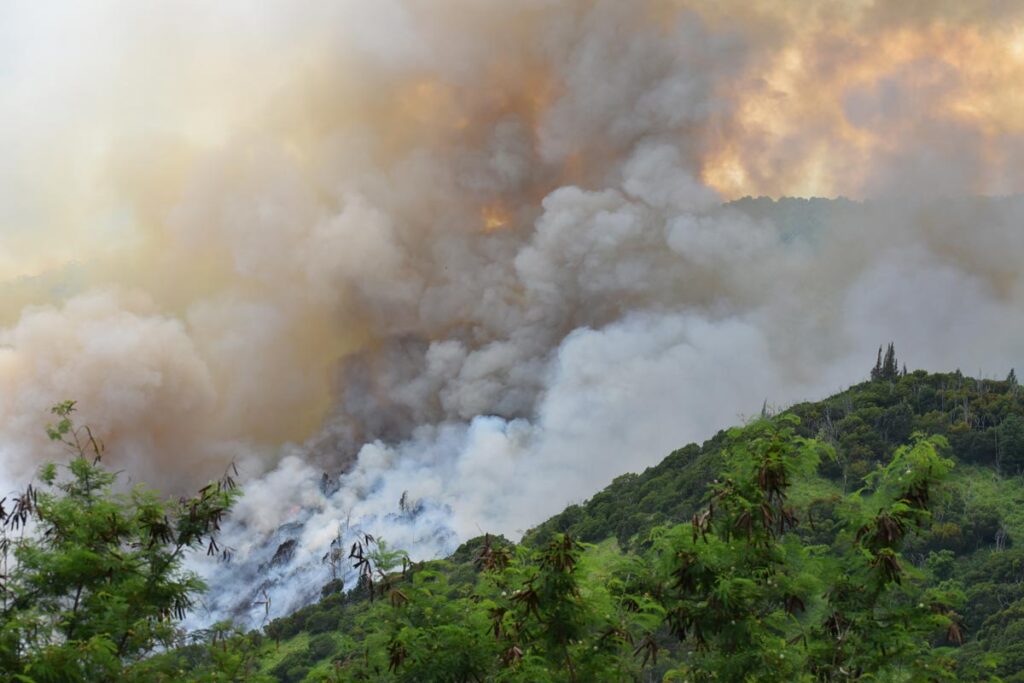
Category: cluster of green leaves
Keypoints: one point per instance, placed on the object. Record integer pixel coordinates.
(738, 576)
(220, 654)
(92, 578)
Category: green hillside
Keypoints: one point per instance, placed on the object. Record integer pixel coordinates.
(436, 621)
(875, 535)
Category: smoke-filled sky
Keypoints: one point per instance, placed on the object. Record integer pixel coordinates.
(483, 251)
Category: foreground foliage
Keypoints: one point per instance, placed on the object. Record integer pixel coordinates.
(92, 579)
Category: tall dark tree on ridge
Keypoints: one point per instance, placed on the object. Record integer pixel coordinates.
(886, 367)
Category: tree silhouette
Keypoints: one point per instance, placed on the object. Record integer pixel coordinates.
(886, 367)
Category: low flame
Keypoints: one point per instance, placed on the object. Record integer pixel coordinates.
(495, 217)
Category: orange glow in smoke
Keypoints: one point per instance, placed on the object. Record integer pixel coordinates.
(494, 217)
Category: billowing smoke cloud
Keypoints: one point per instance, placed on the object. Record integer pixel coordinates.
(480, 256)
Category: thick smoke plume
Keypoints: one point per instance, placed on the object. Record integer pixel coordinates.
(483, 256)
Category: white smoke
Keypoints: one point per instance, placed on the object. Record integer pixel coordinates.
(476, 253)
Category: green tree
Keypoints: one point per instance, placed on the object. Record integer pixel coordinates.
(880, 620)
(734, 579)
(94, 578)
(887, 367)
(1010, 448)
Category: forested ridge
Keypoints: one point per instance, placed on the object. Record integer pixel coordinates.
(875, 535)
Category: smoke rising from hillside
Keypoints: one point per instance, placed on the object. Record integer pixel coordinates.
(477, 251)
